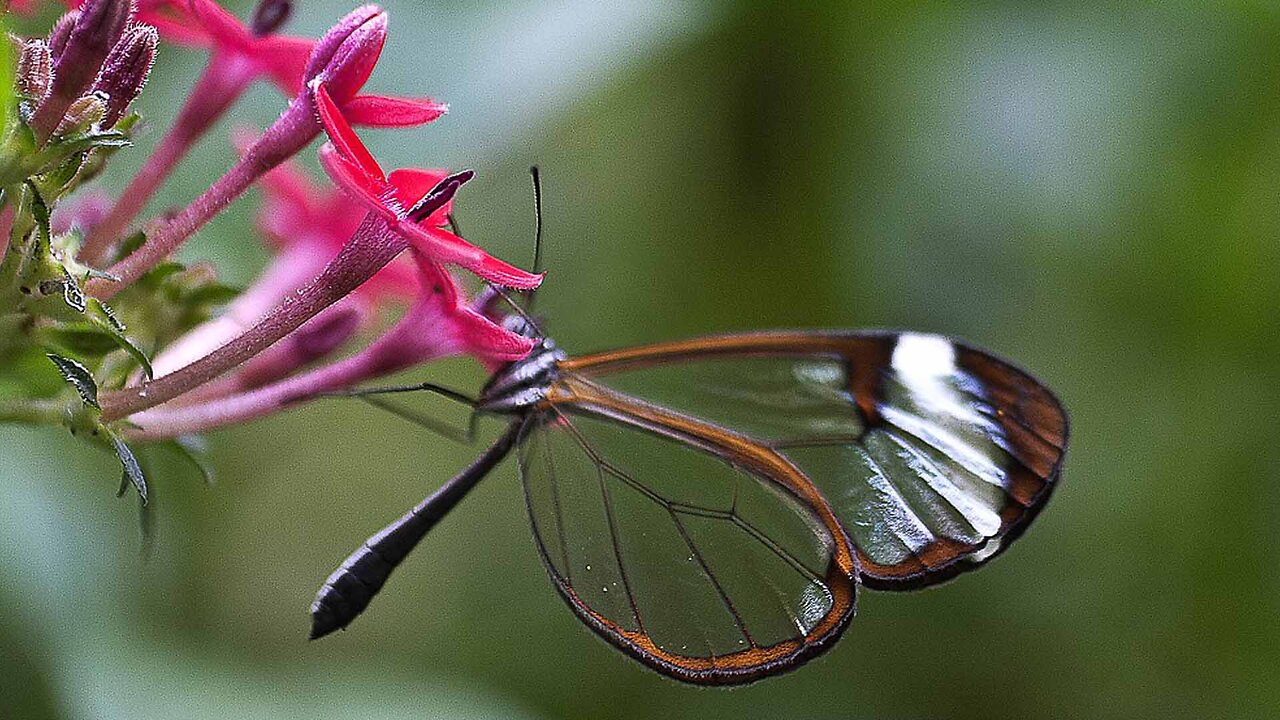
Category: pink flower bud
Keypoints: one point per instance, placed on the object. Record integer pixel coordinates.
(125, 70)
(94, 33)
(345, 56)
(61, 32)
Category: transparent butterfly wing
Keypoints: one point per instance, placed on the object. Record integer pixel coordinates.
(706, 570)
(934, 455)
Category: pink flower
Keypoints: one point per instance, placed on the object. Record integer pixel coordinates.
(237, 51)
(343, 60)
(301, 218)
(397, 199)
(345, 56)
(441, 323)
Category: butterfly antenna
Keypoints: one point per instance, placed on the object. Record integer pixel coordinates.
(498, 289)
(537, 231)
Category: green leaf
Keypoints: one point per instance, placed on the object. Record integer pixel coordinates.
(94, 337)
(132, 471)
(82, 339)
(99, 308)
(78, 376)
(195, 450)
(212, 294)
(104, 318)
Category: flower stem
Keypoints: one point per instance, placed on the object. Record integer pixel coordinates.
(371, 247)
(222, 83)
(164, 422)
(289, 134)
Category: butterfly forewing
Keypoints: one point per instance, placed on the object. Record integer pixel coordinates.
(706, 570)
(934, 455)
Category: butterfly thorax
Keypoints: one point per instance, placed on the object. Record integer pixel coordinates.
(523, 384)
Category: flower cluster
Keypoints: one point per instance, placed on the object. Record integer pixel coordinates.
(144, 348)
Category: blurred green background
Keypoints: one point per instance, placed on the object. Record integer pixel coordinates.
(1092, 191)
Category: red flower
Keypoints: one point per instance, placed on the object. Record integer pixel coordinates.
(343, 60)
(441, 323)
(394, 198)
(301, 218)
(237, 50)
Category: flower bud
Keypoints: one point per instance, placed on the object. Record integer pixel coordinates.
(35, 69)
(345, 56)
(61, 32)
(269, 16)
(125, 70)
(94, 32)
(83, 114)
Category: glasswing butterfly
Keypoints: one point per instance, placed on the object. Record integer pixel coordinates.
(711, 506)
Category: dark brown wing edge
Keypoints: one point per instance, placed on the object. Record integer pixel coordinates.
(743, 666)
(1035, 424)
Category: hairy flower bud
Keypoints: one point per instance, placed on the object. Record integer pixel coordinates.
(94, 33)
(269, 16)
(125, 70)
(83, 114)
(344, 58)
(61, 32)
(35, 69)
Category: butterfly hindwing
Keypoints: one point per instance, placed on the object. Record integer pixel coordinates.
(709, 570)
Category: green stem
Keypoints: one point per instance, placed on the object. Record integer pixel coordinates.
(32, 412)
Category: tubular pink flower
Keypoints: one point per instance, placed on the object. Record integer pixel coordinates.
(346, 56)
(317, 338)
(170, 17)
(397, 198)
(238, 59)
(439, 324)
(298, 214)
(308, 227)
(370, 248)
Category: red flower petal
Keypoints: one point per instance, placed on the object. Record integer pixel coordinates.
(433, 279)
(343, 137)
(443, 314)
(446, 247)
(492, 342)
(411, 184)
(223, 28)
(374, 192)
(284, 58)
(381, 111)
(349, 65)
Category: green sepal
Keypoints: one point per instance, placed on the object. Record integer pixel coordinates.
(78, 376)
